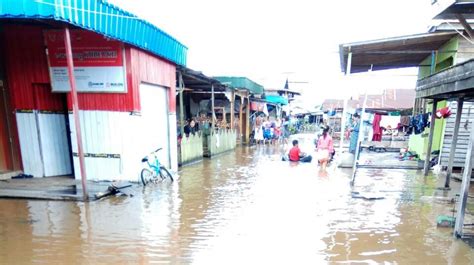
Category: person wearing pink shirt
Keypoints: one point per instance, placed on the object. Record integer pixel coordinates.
(325, 148)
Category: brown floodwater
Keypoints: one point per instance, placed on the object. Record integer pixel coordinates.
(244, 207)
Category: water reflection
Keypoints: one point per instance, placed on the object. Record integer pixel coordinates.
(246, 207)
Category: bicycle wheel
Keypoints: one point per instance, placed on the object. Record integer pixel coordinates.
(146, 176)
(165, 174)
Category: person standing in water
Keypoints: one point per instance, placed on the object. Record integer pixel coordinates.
(325, 148)
(354, 133)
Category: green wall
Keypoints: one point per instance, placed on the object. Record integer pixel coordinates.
(419, 142)
(445, 57)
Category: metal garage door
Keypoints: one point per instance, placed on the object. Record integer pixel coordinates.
(154, 111)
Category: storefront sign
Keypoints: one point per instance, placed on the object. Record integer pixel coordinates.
(98, 62)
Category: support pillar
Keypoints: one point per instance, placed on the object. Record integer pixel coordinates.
(454, 142)
(247, 120)
(359, 141)
(232, 106)
(213, 110)
(75, 111)
(430, 139)
(466, 180)
(181, 105)
(343, 115)
(241, 118)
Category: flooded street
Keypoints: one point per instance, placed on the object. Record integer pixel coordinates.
(244, 207)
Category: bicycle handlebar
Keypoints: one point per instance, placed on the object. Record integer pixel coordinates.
(158, 149)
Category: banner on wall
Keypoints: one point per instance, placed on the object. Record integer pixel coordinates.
(98, 62)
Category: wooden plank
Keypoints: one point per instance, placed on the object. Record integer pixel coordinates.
(232, 106)
(454, 143)
(466, 180)
(430, 139)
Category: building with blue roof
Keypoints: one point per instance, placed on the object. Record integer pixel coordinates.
(125, 76)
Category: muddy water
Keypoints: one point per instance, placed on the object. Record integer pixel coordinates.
(246, 207)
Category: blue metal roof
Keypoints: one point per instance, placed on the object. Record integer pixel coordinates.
(276, 99)
(103, 18)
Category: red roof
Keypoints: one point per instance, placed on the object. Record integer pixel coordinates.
(392, 99)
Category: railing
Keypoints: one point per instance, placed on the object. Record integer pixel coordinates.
(221, 141)
(191, 149)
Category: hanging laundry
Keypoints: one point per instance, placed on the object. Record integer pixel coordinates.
(417, 124)
(377, 130)
(426, 120)
(405, 121)
(443, 113)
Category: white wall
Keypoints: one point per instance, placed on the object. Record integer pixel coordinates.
(132, 137)
(43, 144)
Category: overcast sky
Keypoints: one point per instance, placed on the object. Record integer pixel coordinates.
(269, 41)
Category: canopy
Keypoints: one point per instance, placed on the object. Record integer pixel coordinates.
(240, 83)
(391, 53)
(276, 99)
(100, 17)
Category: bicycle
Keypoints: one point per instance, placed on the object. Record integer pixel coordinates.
(154, 169)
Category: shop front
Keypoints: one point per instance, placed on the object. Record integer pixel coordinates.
(126, 99)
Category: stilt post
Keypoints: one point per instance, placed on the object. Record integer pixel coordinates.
(181, 104)
(343, 115)
(232, 111)
(454, 142)
(430, 138)
(75, 111)
(466, 180)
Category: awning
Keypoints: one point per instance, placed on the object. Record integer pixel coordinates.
(100, 17)
(241, 83)
(276, 99)
(392, 53)
(197, 81)
(448, 9)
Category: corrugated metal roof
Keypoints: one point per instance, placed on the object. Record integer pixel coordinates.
(103, 18)
(392, 53)
(276, 99)
(240, 83)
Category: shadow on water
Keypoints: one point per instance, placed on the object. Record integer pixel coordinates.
(244, 207)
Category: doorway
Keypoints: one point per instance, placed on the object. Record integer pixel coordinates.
(44, 134)
(154, 105)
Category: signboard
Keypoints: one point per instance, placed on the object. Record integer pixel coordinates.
(98, 62)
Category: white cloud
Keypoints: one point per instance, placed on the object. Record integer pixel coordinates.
(264, 40)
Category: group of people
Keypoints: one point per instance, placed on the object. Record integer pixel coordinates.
(324, 150)
(270, 130)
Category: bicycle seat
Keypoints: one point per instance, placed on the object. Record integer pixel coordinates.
(145, 159)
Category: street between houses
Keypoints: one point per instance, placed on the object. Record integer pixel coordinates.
(243, 207)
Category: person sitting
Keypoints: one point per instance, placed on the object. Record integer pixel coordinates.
(296, 155)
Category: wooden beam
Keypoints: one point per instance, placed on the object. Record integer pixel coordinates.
(241, 118)
(344, 107)
(465, 25)
(466, 180)
(452, 150)
(75, 112)
(181, 104)
(213, 111)
(232, 106)
(247, 120)
(360, 138)
(430, 139)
